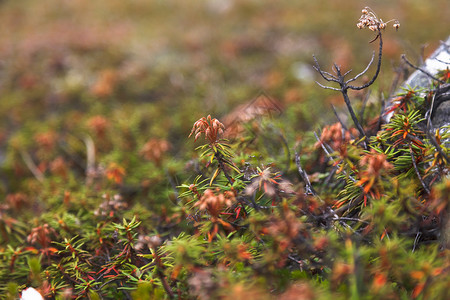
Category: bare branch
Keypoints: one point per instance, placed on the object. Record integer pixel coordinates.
(339, 119)
(430, 112)
(32, 166)
(416, 240)
(417, 171)
(327, 87)
(353, 115)
(322, 144)
(302, 172)
(364, 71)
(421, 69)
(323, 73)
(361, 113)
(380, 54)
(380, 117)
(436, 144)
(346, 73)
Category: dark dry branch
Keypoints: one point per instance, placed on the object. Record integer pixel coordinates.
(377, 72)
(421, 69)
(327, 152)
(364, 104)
(339, 119)
(417, 171)
(398, 71)
(324, 147)
(441, 94)
(436, 145)
(345, 86)
(221, 161)
(173, 185)
(428, 130)
(380, 117)
(416, 240)
(304, 175)
(429, 113)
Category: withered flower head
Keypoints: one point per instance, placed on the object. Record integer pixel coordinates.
(214, 203)
(370, 20)
(336, 136)
(375, 162)
(154, 150)
(269, 182)
(212, 128)
(99, 125)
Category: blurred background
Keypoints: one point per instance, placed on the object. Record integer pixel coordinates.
(153, 67)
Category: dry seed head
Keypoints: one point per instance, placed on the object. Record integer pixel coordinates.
(370, 20)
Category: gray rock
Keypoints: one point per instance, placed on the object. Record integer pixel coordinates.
(439, 60)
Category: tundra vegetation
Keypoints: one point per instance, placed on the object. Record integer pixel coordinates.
(264, 206)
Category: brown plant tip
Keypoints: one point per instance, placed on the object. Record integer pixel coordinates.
(208, 126)
(214, 203)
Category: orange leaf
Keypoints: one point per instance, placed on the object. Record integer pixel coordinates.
(176, 272)
(437, 271)
(418, 289)
(417, 275)
(379, 280)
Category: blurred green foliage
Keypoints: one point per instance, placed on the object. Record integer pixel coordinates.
(103, 196)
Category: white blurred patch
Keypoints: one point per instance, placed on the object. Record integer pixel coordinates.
(303, 72)
(31, 294)
(220, 6)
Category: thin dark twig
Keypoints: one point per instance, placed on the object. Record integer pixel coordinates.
(444, 62)
(353, 219)
(252, 200)
(173, 185)
(353, 115)
(436, 145)
(286, 146)
(339, 119)
(327, 152)
(304, 175)
(416, 240)
(322, 144)
(330, 176)
(349, 206)
(428, 131)
(221, 162)
(327, 87)
(375, 76)
(363, 109)
(417, 171)
(364, 71)
(398, 73)
(346, 73)
(421, 69)
(430, 113)
(380, 117)
(32, 166)
(159, 272)
(344, 85)
(330, 77)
